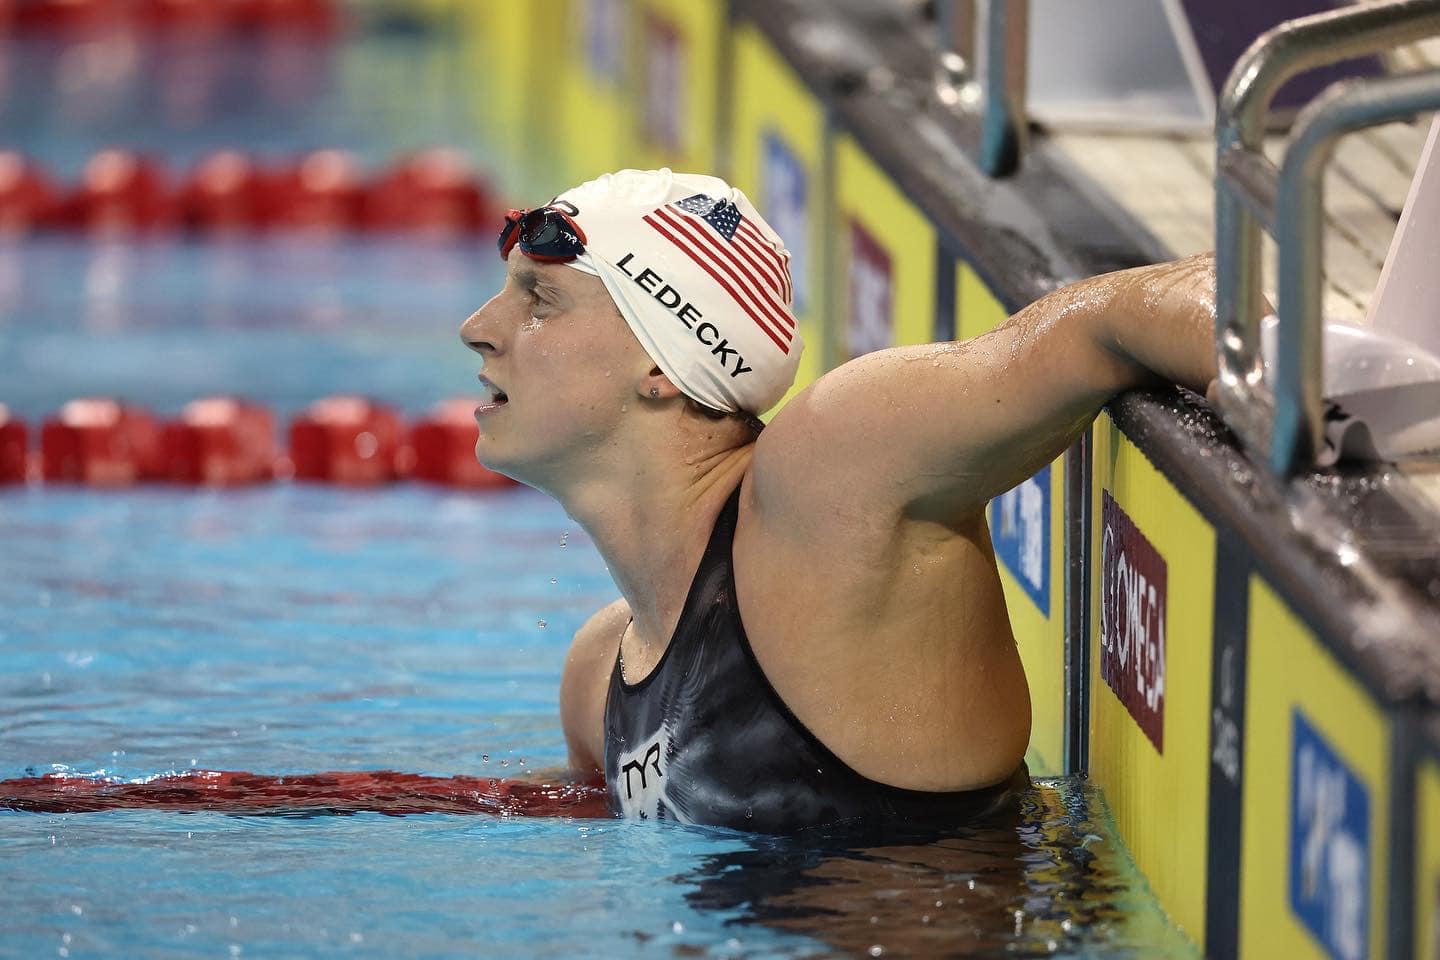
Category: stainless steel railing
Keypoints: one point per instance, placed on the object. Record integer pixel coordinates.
(984, 59)
(1286, 425)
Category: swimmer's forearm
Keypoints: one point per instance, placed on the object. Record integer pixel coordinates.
(1161, 319)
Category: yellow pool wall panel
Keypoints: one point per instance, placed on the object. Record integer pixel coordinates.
(595, 100)
(778, 157)
(1159, 797)
(496, 38)
(1290, 673)
(1040, 638)
(870, 204)
(1039, 634)
(679, 45)
(977, 310)
(1427, 858)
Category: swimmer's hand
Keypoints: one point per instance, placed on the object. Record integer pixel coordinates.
(933, 432)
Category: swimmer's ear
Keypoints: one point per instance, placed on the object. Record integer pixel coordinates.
(656, 386)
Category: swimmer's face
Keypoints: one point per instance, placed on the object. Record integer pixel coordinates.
(568, 366)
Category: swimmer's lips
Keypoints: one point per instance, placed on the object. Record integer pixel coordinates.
(495, 401)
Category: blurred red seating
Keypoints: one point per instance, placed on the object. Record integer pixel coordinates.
(444, 447)
(220, 442)
(348, 440)
(100, 442)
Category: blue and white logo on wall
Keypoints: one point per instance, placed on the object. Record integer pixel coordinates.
(1329, 846)
(1020, 531)
(784, 202)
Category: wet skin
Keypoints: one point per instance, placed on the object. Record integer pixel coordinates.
(864, 572)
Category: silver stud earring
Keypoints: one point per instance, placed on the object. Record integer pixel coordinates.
(654, 393)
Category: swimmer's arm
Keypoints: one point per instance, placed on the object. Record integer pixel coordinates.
(585, 683)
(935, 431)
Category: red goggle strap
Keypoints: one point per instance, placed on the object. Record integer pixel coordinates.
(510, 233)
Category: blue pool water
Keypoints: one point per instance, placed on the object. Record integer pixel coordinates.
(289, 628)
(294, 629)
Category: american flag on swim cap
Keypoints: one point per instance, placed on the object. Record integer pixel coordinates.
(716, 236)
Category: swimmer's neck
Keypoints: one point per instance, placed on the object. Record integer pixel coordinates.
(651, 527)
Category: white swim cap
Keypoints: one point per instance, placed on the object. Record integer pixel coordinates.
(701, 279)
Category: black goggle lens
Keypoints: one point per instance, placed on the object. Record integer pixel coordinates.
(543, 234)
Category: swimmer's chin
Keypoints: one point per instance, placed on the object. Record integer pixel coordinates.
(489, 461)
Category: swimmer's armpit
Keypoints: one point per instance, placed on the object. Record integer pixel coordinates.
(935, 431)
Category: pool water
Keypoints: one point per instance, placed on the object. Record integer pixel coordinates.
(294, 629)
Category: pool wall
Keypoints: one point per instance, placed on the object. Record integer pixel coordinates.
(1247, 668)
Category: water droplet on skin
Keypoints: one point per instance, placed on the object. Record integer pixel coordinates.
(876, 950)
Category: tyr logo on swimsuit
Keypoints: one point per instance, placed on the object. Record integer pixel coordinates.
(642, 781)
(1132, 620)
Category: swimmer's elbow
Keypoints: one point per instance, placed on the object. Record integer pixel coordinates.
(585, 686)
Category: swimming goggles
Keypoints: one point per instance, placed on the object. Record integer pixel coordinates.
(543, 234)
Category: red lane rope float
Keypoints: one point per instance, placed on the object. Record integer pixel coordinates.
(121, 193)
(225, 441)
(14, 448)
(204, 16)
(444, 447)
(342, 793)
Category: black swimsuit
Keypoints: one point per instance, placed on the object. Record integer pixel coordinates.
(706, 739)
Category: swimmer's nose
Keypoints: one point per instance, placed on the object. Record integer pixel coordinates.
(475, 335)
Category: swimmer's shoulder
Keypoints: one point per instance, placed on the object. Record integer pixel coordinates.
(811, 481)
(585, 683)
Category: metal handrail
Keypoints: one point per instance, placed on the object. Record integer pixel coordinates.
(1287, 426)
(1298, 431)
(993, 35)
